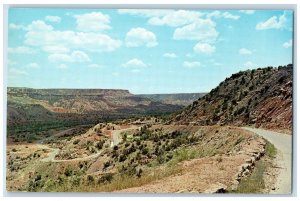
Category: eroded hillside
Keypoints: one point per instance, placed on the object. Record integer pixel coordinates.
(26, 104)
(261, 97)
(174, 99)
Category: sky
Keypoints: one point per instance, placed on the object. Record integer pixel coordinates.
(144, 51)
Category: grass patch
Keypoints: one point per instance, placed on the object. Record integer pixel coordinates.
(254, 183)
(270, 150)
(119, 182)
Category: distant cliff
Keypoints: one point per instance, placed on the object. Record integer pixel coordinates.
(26, 104)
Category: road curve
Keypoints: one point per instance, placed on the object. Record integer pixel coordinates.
(283, 144)
(116, 138)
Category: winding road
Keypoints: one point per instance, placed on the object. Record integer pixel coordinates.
(283, 144)
(116, 139)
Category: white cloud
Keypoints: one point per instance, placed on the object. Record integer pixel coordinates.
(273, 23)
(75, 56)
(55, 19)
(287, 44)
(93, 42)
(170, 55)
(204, 48)
(136, 37)
(39, 26)
(134, 63)
(62, 66)
(33, 65)
(203, 30)
(176, 18)
(244, 51)
(146, 12)
(192, 64)
(249, 64)
(95, 21)
(53, 49)
(17, 26)
(248, 12)
(215, 14)
(95, 66)
(227, 15)
(21, 50)
(16, 72)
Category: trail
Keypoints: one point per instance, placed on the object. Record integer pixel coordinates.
(283, 144)
(116, 138)
(51, 156)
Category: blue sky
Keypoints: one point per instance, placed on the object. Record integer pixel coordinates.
(144, 51)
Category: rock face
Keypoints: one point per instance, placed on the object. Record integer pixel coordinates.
(260, 97)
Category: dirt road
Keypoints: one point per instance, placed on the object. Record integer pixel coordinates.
(283, 144)
(116, 138)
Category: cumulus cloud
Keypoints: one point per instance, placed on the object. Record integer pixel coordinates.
(56, 49)
(41, 34)
(248, 12)
(39, 26)
(21, 50)
(226, 15)
(176, 18)
(134, 63)
(273, 23)
(287, 44)
(169, 55)
(33, 65)
(191, 64)
(249, 64)
(146, 12)
(17, 26)
(204, 48)
(136, 37)
(75, 56)
(95, 21)
(244, 51)
(230, 16)
(203, 30)
(55, 19)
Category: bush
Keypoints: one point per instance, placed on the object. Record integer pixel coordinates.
(107, 178)
(76, 141)
(100, 144)
(122, 158)
(68, 172)
(90, 179)
(145, 151)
